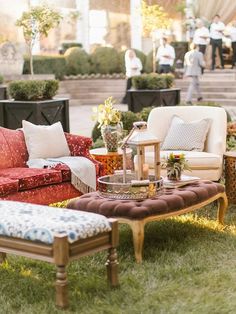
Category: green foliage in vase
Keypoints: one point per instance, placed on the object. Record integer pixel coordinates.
(175, 164)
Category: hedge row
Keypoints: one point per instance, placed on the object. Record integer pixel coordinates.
(104, 60)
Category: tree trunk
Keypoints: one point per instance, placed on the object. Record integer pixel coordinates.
(31, 60)
(153, 54)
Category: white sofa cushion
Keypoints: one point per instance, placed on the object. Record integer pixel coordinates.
(187, 136)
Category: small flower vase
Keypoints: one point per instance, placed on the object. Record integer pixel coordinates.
(173, 174)
(111, 135)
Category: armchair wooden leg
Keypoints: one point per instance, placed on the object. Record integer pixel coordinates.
(3, 257)
(61, 287)
(112, 268)
(222, 207)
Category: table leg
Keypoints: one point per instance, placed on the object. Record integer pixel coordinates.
(222, 207)
(138, 238)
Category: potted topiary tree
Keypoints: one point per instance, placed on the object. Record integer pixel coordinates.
(33, 99)
(152, 90)
(3, 88)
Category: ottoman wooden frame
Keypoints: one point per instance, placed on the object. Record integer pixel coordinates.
(137, 226)
(61, 252)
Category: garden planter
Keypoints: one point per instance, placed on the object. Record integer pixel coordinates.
(3, 92)
(138, 99)
(45, 112)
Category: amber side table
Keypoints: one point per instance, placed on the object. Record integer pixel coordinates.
(112, 161)
(230, 175)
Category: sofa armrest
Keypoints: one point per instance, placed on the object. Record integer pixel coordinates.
(79, 146)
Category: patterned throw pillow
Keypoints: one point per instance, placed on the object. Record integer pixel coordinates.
(189, 136)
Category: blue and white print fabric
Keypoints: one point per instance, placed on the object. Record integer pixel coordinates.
(41, 223)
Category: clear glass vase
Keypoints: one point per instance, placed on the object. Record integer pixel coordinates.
(111, 135)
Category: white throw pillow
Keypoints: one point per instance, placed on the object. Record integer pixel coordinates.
(189, 136)
(45, 141)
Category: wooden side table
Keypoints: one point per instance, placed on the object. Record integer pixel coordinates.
(112, 161)
(230, 176)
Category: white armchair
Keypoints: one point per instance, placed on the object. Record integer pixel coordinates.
(206, 164)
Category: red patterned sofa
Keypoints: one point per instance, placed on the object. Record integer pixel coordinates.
(39, 186)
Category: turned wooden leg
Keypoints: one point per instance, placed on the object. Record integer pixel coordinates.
(3, 257)
(222, 207)
(138, 239)
(112, 268)
(61, 287)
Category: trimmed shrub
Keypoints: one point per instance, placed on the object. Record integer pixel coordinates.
(105, 60)
(153, 81)
(148, 63)
(65, 46)
(1, 79)
(139, 54)
(47, 65)
(33, 89)
(77, 61)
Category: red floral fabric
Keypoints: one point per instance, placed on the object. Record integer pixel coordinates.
(8, 186)
(30, 178)
(45, 195)
(13, 151)
(13, 158)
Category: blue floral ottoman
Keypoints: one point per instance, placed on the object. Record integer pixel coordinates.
(57, 235)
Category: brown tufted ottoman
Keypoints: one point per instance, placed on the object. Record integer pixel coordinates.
(171, 202)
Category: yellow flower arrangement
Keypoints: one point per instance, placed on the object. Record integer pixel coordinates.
(107, 114)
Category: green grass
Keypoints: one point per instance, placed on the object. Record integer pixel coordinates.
(189, 267)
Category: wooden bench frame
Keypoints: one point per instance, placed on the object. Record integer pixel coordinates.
(61, 252)
(137, 226)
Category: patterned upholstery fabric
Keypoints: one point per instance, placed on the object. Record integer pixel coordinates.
(13, 158)
(189, 136)
(42, 223)
(13, 152)
(46, 194)
(30, 178)
(8, 186)
(170, 200)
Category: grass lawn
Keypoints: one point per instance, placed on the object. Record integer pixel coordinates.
(189, 267)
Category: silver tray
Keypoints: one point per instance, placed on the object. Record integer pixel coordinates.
(112, 186)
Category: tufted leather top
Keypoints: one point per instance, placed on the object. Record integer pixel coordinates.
(170, 200)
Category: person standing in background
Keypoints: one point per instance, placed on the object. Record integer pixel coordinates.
(165, 56)
(193, 64)
(133, 67)
(232, 35)
(216, 34)
(201, 36)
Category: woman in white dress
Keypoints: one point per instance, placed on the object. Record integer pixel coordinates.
(133, 67)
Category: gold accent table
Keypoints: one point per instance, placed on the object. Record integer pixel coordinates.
(112, 161)
(230, 176)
